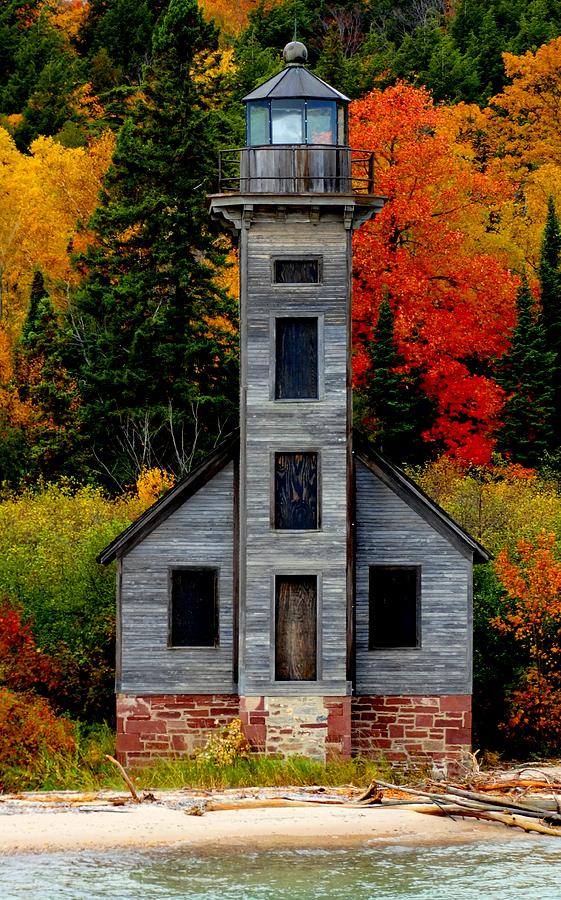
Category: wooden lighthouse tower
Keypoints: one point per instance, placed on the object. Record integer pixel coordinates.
(299, 195)
(296, 579)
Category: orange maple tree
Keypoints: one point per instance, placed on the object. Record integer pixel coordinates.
(532, 581)
(454, 303)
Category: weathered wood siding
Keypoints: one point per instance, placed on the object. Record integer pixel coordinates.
(270, 426)
(199, 533)
(295, 169)
(391, 532)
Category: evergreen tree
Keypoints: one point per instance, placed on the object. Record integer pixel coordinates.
(153, 335)
(38, 71)
(123, 30)
(550, 283)
(392, 406)
(527, 430)
(331, 64)
(52, 443)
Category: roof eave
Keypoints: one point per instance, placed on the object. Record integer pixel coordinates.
(166, 505)
(266, 90)
(369, 456)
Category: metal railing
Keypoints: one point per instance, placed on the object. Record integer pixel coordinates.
(286, 168)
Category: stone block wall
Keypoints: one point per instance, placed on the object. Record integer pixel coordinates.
(169, 725)
(413, 731)
(407, 731)
(318, 727)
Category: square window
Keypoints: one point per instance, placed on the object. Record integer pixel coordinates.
(296, 491)
(194, 608)
(297, 271)
(296, 358)
(296, 628)
(394, 606)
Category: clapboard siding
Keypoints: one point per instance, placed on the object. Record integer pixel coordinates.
(390, 532)
(269, 426)
(199, 533)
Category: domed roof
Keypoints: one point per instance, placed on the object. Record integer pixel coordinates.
(297, 83)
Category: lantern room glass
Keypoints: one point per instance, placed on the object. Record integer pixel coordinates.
(292, 121)
(287, 122)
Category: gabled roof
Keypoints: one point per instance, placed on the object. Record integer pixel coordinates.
(227, 451)
(389, 473)
(411, 493)
(296, 82)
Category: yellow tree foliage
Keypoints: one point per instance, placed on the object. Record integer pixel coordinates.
(151, 484)
(67, 16)
(232, 17)
(526, 120)
(518, 139)
(46, 201)
(497, 505)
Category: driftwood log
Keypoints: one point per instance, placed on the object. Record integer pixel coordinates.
(456, 801)
(489, 816)
(126, 778)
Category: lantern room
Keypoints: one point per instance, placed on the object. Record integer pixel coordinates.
(296, 107)
(297, 139)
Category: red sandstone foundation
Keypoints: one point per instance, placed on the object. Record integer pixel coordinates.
(407, 731)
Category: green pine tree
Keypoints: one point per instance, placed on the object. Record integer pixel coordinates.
(550, 283)
(52, 441)
(123, 30)
(153, 335)
(392, 407)
(527, 430)
(331, 63)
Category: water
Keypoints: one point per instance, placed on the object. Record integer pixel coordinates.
(529, 869)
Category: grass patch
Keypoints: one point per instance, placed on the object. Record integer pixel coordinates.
(260, 771)
(87, 769)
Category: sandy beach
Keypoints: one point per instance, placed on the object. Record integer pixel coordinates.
(63, 823)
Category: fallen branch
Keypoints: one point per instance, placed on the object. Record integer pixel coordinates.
(126, 778)
(525, 783)
(505, 818)
(533, 810)
(372, 794)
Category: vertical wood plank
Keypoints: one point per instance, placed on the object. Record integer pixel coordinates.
(296, 628)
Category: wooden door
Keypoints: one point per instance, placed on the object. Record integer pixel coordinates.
(296, 628)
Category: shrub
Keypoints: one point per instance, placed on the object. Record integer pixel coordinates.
(227, 746)
(23, 667)
(531, 577)
(29, 730)
(49, 540)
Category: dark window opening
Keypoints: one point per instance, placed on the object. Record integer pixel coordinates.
(296, 271)
(296, 491)
(296, 628)
(394, 602)
(296, 359)
(194, 608)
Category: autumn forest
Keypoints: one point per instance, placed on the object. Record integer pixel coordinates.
(118, 310)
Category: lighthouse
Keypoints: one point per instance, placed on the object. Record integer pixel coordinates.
(301, 192)
(296, 579)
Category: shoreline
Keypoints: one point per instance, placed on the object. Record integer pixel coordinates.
(37, 826)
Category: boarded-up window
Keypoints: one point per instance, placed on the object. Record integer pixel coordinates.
(296, 628)
(296, 358)
(296, 491)
(194, 608)
(395, 598)
(296, 271)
